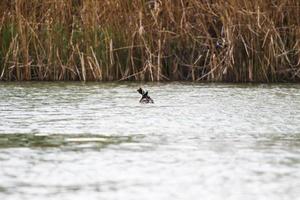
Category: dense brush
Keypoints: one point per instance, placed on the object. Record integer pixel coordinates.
(199, 40)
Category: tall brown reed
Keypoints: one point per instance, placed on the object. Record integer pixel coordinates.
(153, 40)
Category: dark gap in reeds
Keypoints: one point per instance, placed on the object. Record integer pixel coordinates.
(151, 40)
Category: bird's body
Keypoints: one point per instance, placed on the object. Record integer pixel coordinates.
(145, 97)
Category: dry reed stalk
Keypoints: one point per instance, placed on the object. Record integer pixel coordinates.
(99, 71)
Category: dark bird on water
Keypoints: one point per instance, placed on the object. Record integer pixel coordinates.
(145, 97)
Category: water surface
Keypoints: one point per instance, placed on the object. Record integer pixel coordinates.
(198, 141)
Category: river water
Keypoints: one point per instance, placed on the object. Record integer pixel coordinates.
(91, 141)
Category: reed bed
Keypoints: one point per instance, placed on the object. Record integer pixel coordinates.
(150, 40)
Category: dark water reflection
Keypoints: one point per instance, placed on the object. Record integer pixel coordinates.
(198, 141)
(71, 141)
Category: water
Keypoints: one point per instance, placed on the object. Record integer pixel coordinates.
(198, 141)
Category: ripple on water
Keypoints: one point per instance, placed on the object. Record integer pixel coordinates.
(73, 141)
(198, 141)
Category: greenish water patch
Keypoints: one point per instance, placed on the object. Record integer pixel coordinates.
(60, 140)
(2, 189)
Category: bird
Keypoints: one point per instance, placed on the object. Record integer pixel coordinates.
(145, 97)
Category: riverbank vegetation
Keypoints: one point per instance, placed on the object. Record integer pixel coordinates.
(152, 40)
